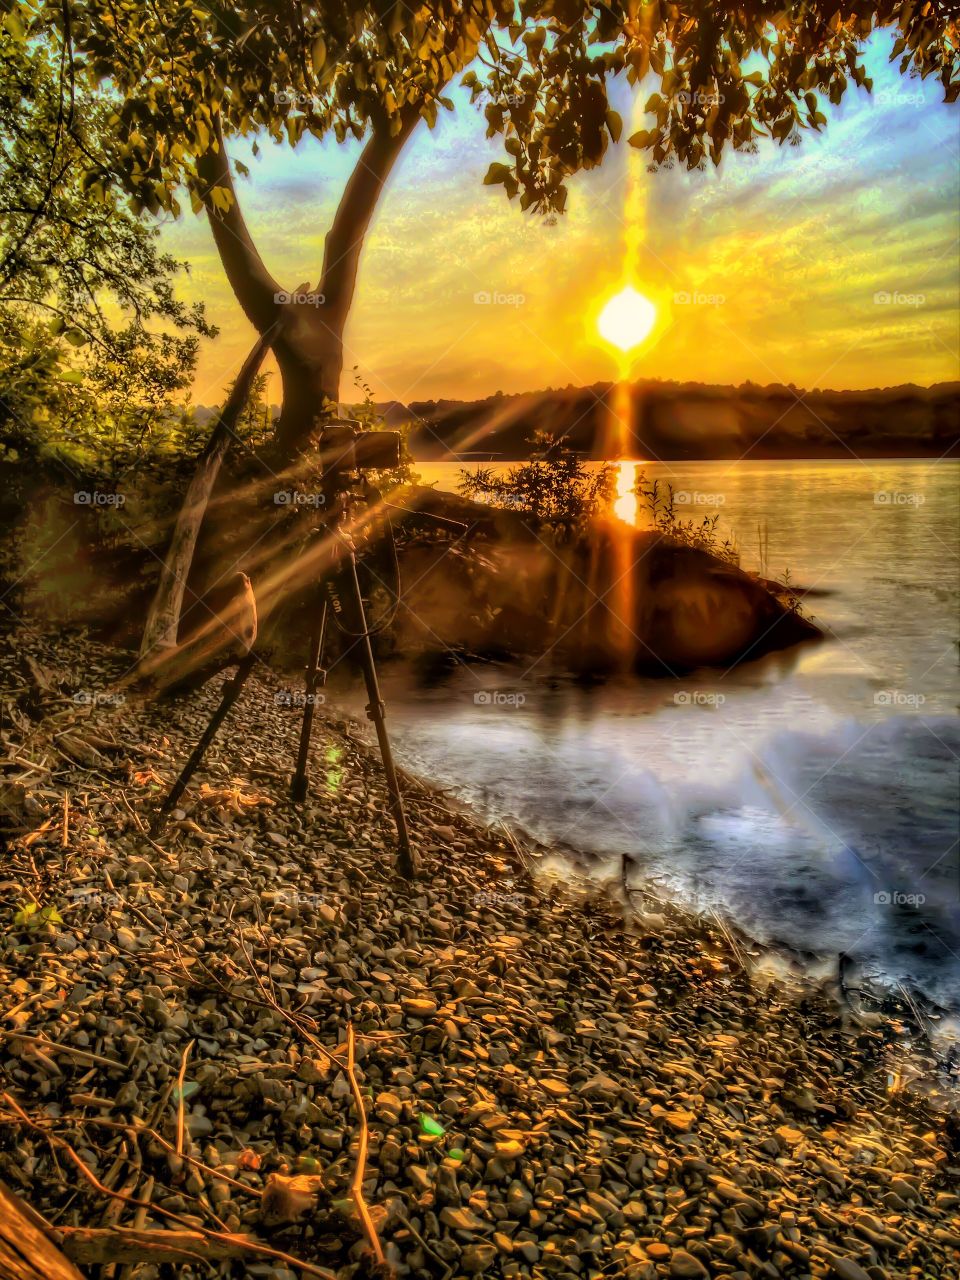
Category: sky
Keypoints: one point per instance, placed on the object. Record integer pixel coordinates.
(766, 269)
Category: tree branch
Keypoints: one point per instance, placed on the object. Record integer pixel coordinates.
(252, 283)
(344, 242)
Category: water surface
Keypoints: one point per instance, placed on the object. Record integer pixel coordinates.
(812, 795)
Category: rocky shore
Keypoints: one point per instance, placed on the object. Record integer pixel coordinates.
(554, 1081)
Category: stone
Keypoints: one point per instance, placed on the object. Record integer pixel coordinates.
(461, 1219)
(685, 1266)
(418, 1007)
(478, 1258)
(847, 1269)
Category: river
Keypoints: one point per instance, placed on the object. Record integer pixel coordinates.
(811, 796)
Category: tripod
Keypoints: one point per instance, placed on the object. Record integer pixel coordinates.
(344, 596)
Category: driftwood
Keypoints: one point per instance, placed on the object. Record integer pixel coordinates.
(163, 618)
(91, 1245)
(26, 1251)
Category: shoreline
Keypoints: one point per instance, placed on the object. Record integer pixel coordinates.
(895, 997)
(609, 1097)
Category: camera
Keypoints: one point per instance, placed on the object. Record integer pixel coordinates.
(345, 447)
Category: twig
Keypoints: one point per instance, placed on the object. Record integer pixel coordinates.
(227, 1237)
(517, 849)
(730, 941)
(30, 764)
(80, 1054)
(141, 828)
(348, 1070)
(357, 1187)
(66, 820)
(180, 1078)
(144, 1204)
(405, 1222)
(146, 1130)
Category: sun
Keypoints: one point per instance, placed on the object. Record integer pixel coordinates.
(626, 319)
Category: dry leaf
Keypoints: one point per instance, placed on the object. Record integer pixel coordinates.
(286, 1199)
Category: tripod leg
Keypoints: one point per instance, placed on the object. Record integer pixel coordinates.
(230, 695)
(407, 861)
(315, 677)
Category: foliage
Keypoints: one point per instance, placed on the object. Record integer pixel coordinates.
(557, 489)
(365, 412)
(657, 497)
(32, 916)
(724, 75)
(94, 345)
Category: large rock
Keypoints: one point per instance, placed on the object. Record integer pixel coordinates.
(625, 600)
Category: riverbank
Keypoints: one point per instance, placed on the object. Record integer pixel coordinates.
(552, 1084)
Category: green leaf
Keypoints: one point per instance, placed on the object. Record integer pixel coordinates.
(496, 173)
(643, 138)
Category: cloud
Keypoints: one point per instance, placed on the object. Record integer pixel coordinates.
(796, 239)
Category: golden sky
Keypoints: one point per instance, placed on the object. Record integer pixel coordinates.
(782, 253)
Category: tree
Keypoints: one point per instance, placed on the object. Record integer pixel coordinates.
(93, 342)
(184, 79)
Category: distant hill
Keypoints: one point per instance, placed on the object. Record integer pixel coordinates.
(688, 420)
(675, 421)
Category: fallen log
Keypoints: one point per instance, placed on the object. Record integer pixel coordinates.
(91, 1245)
(26, 1250)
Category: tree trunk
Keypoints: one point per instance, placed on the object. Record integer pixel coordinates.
(163, 619)
(305, 330)
(310, 347)
(309, 356)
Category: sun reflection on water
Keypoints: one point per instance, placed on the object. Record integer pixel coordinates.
(625, 501)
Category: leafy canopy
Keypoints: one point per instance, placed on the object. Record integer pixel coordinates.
(724, 75)
(93, 341)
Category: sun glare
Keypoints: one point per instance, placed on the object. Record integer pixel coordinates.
(626, 319)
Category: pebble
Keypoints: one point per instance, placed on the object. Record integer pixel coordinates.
(686, 1266)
